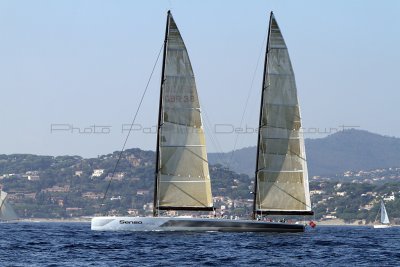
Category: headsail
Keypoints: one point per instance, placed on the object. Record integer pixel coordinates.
(281, 172)
(6, 210)
(182, 178)
(384, 216)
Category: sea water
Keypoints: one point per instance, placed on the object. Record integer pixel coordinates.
(74, 244)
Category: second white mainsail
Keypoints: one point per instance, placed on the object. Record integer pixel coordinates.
(281, 173)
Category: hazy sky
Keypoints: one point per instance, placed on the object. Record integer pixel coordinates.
(81, 64)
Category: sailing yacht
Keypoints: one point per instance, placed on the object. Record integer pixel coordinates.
(7, 213)
(384, 220)
(182, 180)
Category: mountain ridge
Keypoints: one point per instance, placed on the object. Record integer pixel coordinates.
(347, 150)
(350, 149)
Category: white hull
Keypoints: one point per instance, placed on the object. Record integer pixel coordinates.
(8, 221)
(381, 226)
(142, 224)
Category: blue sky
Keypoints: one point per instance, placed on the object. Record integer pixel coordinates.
(85, 63)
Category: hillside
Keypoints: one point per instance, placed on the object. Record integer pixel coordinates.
(72, 186)
(62, 187)
(242, 161)
(352, 150)
(345, 150)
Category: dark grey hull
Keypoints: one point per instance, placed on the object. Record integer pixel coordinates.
(235, 226)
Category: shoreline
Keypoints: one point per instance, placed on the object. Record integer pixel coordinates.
(339, 222)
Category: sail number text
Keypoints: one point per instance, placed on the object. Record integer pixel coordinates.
(179, 98)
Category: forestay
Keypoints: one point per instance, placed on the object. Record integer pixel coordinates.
(183, 180)
(282, 179)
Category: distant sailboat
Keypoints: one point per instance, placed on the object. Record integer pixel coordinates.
(7, 212)
(384, 221)
(182, 179)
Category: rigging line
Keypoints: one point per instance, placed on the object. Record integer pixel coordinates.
(196, 155)
(287, 193)
(189, 195)
(247, 100)
(297, 154)
(130, 129)
(4, 200)
(208, 128)
(200, 169)
(214, 139)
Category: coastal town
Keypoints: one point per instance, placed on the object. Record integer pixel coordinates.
(71, 187)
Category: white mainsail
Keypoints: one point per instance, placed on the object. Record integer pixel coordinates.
(281, 173)
(7, 213)
(384, 216)
(182, 178)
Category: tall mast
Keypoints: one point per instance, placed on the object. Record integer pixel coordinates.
(260, 119)
(155, 199)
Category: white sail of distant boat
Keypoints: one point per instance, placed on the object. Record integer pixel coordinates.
(7, 212)
(182, 180)
(384, 219)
